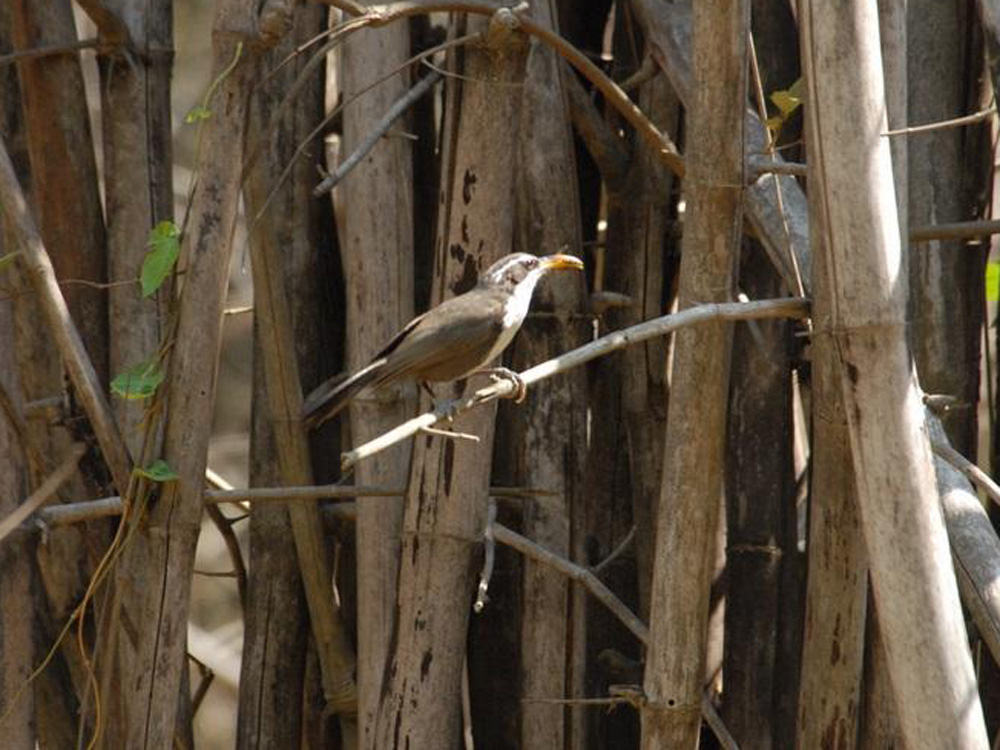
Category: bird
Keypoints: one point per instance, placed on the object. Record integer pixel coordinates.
(451, 341)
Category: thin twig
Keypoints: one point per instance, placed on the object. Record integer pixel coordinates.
(335, 112)
(225, 529)
(615, 553)
(450, 434)
(718, 727)
(34, 259)
(647, 71)
(945, 124)
(775, 308)
(576, 572)
(758, 165)
(45, 492)
(604, 595)
(489, 556)
(90, 510)
(48, 51)
(396, 111)
(959, 230)
(974, 474)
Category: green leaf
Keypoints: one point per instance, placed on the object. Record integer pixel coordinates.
(993, 281)
(165, 246)
(198, 113)
(138, 382)
(790, 99)
(158, 471)
(8, 259)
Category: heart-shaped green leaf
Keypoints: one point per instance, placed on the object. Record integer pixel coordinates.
(164, 248)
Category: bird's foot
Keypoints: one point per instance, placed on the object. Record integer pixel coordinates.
(499, 374)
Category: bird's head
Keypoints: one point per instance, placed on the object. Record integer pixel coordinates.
(523, 270)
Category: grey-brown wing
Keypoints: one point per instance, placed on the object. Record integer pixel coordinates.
(449, 341)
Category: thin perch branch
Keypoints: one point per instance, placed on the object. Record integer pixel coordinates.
(776, 308)
(396, 111)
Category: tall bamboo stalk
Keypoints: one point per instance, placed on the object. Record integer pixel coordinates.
(693, 457)
(290, 327)
(446, 501)
(153, 576)
(547, 438)
(376, 240)
(138, 187)
(863, 291)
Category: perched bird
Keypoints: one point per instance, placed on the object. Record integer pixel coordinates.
(451, 341)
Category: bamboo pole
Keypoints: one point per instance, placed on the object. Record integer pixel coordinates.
(446, 503)
(375, 213)
(545, 439)
(290, 558)
(153, 574)
(693, 457)
(864, 291)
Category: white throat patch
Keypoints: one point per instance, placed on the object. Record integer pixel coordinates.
(515, 311)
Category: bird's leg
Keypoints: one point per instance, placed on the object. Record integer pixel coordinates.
(504, 373)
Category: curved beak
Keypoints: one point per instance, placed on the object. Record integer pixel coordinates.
(559, 261)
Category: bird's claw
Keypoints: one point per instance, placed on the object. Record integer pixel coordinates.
(500, 374)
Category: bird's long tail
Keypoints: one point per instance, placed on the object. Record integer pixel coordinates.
(330, 397)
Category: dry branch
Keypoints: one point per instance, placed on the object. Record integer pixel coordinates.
(379, 15)
(447, 410)
(41, 276)
(594, 585)
(89, 510)
(44, 493)
(397, 110)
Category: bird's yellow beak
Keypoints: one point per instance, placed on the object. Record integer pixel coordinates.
(559, 261)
